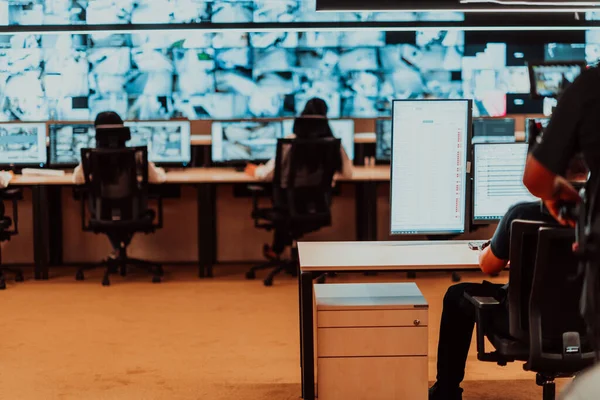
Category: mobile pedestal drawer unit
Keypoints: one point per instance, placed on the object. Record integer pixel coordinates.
(371, 341)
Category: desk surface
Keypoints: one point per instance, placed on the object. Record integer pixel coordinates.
(363, 256)
(203, 175)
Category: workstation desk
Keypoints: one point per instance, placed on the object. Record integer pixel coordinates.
(317, 258)
(47, 204)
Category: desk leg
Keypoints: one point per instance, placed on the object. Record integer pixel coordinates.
(307, 346)
(207, 228)
(55, 225)
(40, 231)
(366, 211)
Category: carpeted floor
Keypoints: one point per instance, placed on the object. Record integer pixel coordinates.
(219, 339)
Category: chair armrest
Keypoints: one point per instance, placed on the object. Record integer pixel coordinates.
(483, 303)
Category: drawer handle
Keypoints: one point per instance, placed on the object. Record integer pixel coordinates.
(417, 322)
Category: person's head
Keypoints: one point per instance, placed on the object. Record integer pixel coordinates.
(110, 130)
(316, 107)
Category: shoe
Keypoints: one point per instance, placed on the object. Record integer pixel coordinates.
(436, 392)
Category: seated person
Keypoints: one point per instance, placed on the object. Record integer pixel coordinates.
(106, 120)
(458, 315)
(312, 123)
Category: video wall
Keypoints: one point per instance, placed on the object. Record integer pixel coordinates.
(94, 12)
(229, 74)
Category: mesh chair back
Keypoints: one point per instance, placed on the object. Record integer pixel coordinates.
(303, 177)
(116, 181)
(523, 248)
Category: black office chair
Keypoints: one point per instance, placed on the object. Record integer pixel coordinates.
(546, 329)
(116, 192)
(13, 195)
(301, 199)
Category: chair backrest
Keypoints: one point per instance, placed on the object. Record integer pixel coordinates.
(523, 249)
(554, 311)
(117, 182)
(304, 170)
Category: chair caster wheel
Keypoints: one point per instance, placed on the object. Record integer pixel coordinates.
(455, 277)
(156, 279)
(2, 284)
(19, 277)
(268, 282)
(321, 279)
(105, 281)
(250, 275)
(79, 276)
(160, 271)
(123, 272)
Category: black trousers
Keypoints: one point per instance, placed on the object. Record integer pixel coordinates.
(456, 330)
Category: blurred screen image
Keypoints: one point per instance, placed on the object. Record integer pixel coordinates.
(23, 144)
(245, 140)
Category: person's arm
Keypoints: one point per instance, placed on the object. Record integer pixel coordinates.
(489, 263)
(266, 171)
(156, 174)
(78, 177)
(347, 167)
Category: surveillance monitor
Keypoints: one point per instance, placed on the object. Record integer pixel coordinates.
(493, 130)
(67, 140)
(342, 129)
(383, 145)
(498, 180)
(168, 142)
(430, 156)
(551, 79)
(23, 144)
(237, 142)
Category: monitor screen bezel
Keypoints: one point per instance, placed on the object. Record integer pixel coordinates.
(49, 125)
(28, 164)
(488, 221)
(468, 163)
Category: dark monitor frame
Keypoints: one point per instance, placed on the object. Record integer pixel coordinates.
(489, 221)
(241, 163)
(531, 65)
(378, 134)
(468, 170)
(19, 166)
(49, 124)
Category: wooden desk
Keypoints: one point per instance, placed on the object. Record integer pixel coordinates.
(318, 258)
(47, 216)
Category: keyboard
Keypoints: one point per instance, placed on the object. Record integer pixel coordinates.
(42, 172)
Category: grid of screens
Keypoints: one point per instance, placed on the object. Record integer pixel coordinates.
(91, 12)
(242, 141)
(489, 130)
(23, 144)
(498, 180)
(168, 142)
(383, 143)
(550, 80)
(430, 144)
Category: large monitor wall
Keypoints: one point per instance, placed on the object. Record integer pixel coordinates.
(150, 75)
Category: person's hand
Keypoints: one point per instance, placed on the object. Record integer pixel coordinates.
(564, 192)
(250, 170)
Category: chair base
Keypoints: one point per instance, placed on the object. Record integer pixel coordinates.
(278, 265)
(548, 386)
(120, 265)
(18, 273)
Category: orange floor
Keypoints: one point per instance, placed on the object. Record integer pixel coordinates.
(219, 339)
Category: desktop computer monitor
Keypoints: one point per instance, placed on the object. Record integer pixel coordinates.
(551, 79)
(23, 144)
(498, 180)
(235, 142)
(533, 129)
(168, 142)
(342, 129)
(493, 130)
(430, 154)
(67, 140)
(383, 144)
